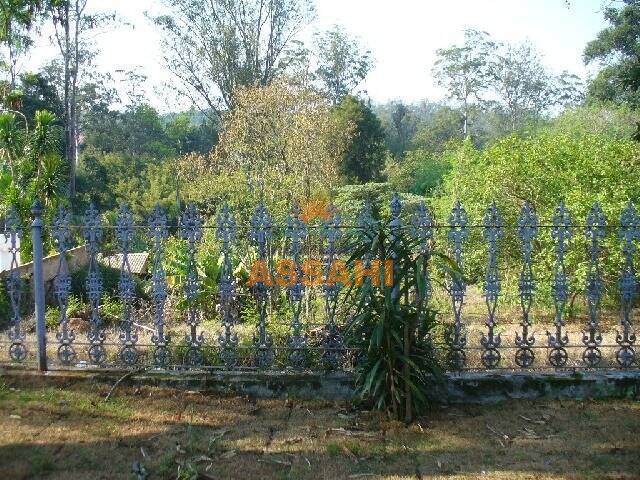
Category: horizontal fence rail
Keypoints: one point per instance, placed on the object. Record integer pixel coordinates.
(295, 291)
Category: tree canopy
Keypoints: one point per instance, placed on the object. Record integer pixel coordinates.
(617, 48)
(365, 153)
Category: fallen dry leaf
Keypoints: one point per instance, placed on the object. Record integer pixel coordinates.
(291, 440)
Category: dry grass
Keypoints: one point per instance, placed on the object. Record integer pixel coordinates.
(55, 433)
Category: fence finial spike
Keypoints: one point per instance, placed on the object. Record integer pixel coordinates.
(36, 208)
(396, 205)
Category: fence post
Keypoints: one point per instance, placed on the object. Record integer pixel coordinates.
(38, 284)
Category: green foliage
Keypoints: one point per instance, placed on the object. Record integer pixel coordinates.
(186, 135)
(110, 279)
(30, 168)
(126, 153)
(5, 305)
(138, 131)
(400, 126)
(609, 121)
(111, 309)
(464, 71)
(443, 126)
(176, 267)
(419, 172)
(390, 326)
(618, 48)
(365, 154)
(556, 164)
(52, 317)
(342, 64)
(75, 307)
(351, 198)
(108, 179)
(38, 93)
(208, 264)
(16, 19)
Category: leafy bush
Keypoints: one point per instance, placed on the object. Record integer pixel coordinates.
(75, 307)
(609, 121)
(5, 305)
(575, 166)
(350, 199)
(52, 318)
(111, 309)
(110, 278)
(419, 172)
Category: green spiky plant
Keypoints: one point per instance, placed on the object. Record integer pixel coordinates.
(391, 324)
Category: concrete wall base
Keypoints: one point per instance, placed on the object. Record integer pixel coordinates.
(468, 387)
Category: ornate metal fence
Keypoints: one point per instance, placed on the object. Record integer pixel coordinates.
(262, 324)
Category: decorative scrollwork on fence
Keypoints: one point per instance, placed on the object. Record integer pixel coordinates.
(261, 236)
(334, 349)
(629, 233)
(527, 232)
(16, 333)
(228, 339)
(422, 225)
(61, 234)
(591, 337)
(493, 231)
(457, 235)
(561, 235)
(191, 232)
(92, 234)
(328, 275)
(159, 232)
(395, 226)
(366, 221)
(366, 231)
(295, 233)
(126, 288)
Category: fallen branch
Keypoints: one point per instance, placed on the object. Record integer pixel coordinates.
(351, 433)
(121, 379)
(501, 436)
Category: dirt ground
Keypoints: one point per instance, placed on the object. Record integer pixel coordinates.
(72, 432)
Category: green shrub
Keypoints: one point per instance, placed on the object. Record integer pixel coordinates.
(390, 327)
(574, 165)
(111, 309)
(110, 278)
(76, 308)
(350, 199)
(419, 172)
(52, 318)
(5, 305)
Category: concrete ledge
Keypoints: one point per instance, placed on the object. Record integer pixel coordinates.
(272, 384)
(486, 388)
(469, 387)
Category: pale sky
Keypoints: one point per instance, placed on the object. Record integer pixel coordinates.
(402, 35)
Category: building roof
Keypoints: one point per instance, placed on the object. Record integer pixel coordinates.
(137, 261)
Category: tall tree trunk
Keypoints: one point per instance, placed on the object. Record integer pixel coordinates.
(465, 120)
(69, 141)
(12, 57)
(74, 99)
